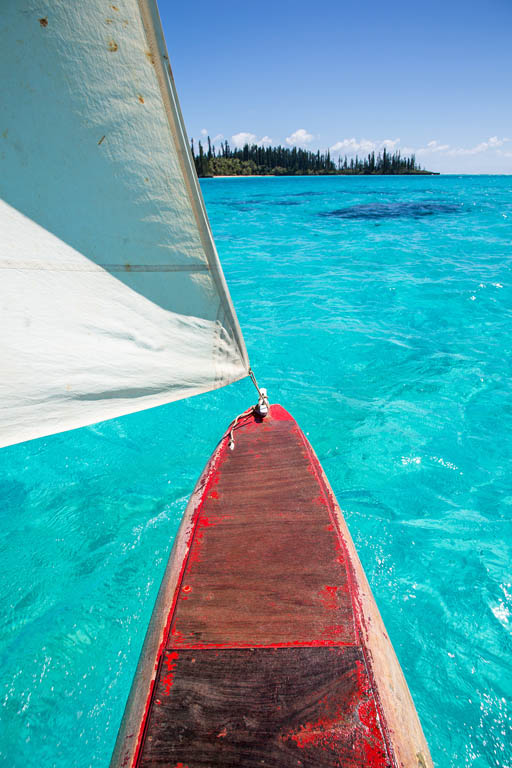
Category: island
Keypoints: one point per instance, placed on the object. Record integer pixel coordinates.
(257, 160)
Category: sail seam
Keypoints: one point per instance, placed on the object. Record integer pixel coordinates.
(218, 378)
(70, 267)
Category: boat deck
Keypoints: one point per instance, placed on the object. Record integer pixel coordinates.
(263, 662)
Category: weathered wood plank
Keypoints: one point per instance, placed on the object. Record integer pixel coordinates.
(266, 647)
(285, 707)
(265, 565)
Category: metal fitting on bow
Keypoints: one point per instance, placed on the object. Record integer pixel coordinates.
(262, 406)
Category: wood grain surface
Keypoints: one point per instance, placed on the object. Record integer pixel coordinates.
(265, 658)
(285, 707)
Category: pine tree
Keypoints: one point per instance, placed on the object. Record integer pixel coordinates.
(280, 160)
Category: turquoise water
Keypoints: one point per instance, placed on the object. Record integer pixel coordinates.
(379, 312)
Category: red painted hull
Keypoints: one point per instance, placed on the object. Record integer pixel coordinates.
(266, 647)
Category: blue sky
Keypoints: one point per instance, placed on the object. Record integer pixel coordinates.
(431, 77)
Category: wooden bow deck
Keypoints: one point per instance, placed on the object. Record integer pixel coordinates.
(266, 647)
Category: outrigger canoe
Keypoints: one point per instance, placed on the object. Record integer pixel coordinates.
(266, 647)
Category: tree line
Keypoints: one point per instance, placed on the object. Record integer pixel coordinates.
(256, 160)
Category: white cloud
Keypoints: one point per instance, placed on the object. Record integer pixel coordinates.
(353, 146)
(245, 137)
(435, 146)
(432, 146)
(490, 156)
(204, 135)
(299, 137)
(391, 144)
(492, 143)
(239, 139)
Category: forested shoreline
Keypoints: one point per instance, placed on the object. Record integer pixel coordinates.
(256, 160)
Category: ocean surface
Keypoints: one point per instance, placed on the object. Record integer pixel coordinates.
(377, 310)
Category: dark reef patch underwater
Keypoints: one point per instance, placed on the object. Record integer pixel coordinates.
(398, 210)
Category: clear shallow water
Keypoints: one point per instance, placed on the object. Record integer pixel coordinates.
(379, 312)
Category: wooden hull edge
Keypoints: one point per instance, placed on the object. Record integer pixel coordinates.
(396, 706)
(131, 730)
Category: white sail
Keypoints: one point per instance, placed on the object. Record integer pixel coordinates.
(112, 298)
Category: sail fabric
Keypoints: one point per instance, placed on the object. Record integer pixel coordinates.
(112, 296)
